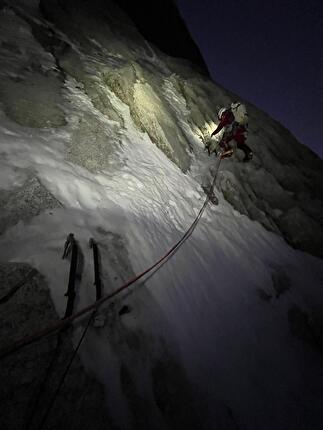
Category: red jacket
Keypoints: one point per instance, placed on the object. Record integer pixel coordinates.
(238, 132)
(226, 119)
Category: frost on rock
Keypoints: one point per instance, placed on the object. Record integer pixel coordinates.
(101, 135)
(301, 230)
(33, 101)
(133, 86)
(91, 146)
(25, 202)
(30, 87)
(29, 309)
(281, 188)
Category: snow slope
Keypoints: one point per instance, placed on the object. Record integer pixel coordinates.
(227, 333)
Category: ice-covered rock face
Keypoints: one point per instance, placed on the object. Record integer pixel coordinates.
(100, 135)
(99, 48)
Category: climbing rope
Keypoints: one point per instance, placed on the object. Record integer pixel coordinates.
(62, 379)
(41, 390)
(161, 261)
(63, 323)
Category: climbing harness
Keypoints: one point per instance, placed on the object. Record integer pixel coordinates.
(225, 153)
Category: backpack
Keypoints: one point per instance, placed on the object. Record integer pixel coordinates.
(239, 112)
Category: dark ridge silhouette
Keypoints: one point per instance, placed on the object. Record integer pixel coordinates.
(162, 24)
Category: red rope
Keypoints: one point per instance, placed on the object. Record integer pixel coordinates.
(62, 323)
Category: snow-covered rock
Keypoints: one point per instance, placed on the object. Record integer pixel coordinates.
(100, 135)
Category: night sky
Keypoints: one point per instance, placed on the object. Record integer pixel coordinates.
(268, 52)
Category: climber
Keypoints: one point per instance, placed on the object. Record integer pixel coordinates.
(234, 122)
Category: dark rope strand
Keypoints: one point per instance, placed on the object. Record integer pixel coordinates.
(62, 323)
(61, 382)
